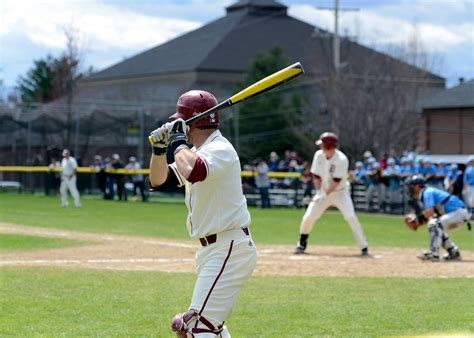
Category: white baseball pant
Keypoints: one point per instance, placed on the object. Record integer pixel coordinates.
(468, 195)
(438, 229)
(69, 184)
(454, 220)
(340, 199)
(222, 270)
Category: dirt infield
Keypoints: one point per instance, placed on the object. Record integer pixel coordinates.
(145, 253)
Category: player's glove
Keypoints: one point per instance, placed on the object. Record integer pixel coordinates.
(177, 131)
(412, 222)
(159, 140)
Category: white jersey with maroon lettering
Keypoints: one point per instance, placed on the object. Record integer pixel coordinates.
(216, 204)
(335, 167)
(218, 207)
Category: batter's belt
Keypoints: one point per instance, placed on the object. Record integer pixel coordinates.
(225, 235)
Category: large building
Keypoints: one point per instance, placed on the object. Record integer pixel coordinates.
(447, 125)
(114, 108)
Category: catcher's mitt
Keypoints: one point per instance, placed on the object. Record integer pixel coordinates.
(412, 222)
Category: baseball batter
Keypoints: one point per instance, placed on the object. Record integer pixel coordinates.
(68, 180)
(442, 212)
(330, 170)
(217, 212)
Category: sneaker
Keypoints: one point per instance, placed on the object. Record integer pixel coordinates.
(365, 252)
(428, 256)
(299, 249)
(452, 255)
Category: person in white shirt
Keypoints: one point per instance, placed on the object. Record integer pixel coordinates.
(330, 171)
(217, 211)
(137, 179)
(68, 180)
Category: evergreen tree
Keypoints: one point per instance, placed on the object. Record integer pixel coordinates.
(265, 121)
(37, 85)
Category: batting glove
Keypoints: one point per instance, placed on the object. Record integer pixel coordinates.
(159, 140)
(178, 135)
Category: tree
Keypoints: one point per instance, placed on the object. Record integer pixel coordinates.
(265, 121)
(37, 86)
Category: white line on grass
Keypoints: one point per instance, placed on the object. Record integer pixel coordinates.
(85, 261)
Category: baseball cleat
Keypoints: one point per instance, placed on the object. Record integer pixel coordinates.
(365, 252)
(428, 256)
(299, 250)
(453, 255)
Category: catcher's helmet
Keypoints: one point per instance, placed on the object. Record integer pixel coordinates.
(416, 180)
(195, 102)
(328, 140)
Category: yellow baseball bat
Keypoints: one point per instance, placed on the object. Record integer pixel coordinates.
(262, 86)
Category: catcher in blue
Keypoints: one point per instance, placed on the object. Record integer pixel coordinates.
(442, 213)
(217, 211)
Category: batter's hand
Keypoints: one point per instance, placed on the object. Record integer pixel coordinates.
(159, 140)
(178, 134)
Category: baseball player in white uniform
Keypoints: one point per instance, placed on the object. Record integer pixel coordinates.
(217, 217)
(68, 180)
(330, 170)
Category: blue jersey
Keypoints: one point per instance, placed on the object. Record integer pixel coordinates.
(426, 171)
(469, 175)
(432, 197)
(453, 175)
(408, 169)
(359, 175)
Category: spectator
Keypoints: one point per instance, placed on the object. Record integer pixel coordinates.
(358, 174)
(117, 179)
(439, 175)
(262, 182)
(367, 155)
(374, 186)
(419, 166)
(407, 168)
(137, 179)
(391, 174)
(68, 180)
(274, 161)
(468, 190)
(293, 167)
(101, 178)
(54, 176)
(383, 161)
(307, 181)
(454, 180)
(429, 172)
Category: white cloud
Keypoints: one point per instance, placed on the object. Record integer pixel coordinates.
(100, 26)
(379, 27)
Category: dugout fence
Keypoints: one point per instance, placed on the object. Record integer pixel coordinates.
(287, 189)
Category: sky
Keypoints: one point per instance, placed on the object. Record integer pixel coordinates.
(110, 30)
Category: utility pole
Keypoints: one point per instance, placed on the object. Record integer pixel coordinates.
(335, 40)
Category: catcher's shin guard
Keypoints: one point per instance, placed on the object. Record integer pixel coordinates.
(435, 229)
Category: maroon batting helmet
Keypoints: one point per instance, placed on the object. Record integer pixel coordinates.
(328, 140)
(195, 102)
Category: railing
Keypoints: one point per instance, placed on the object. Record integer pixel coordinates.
(294, 193)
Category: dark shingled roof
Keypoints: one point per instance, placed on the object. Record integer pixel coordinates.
(230, 43)
(461, 96)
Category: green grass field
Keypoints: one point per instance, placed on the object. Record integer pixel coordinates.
(47, 301)
(11, 242)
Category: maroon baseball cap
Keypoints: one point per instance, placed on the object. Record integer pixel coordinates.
(328, 140)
